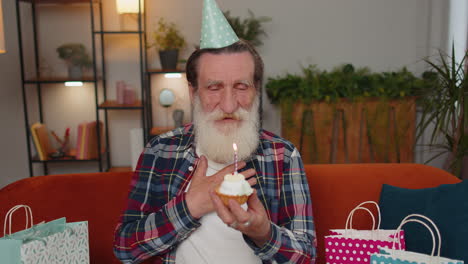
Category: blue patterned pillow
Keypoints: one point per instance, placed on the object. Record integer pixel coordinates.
(446, 205)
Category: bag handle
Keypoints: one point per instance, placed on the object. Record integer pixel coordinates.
(413, 218)
(9, 214)
(349, 220)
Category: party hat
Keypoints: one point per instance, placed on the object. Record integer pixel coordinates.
(216, 31)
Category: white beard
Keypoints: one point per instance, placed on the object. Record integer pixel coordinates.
(216, 142)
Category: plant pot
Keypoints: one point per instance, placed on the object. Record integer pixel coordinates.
(169, 59)
(75, 72)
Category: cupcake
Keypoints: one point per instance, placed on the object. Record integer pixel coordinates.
(234, 187)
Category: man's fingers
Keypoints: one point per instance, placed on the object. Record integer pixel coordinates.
(249, 173)
(240, 214)
(221, 210)
(202, 166)
(231, 168)
(253, 202)
(252, 181)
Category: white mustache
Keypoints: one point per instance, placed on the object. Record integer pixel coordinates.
(218, 114)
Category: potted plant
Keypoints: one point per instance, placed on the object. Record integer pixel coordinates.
(76, 58)
(169, 41)
(445, 106)
(250, 29)
(348, 115)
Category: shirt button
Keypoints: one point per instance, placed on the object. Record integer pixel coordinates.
(190, 168)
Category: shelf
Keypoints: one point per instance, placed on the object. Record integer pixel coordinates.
(119, 32)
(160, 130)
(59, 80)
(59, 2)
(35, 159)
(116, 106)
(120, 169)
(161, 71)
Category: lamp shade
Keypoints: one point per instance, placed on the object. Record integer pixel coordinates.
(166, 97)
(2, 31)
(129, 6)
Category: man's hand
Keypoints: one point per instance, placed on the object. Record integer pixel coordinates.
(198, 196)
(254, 222)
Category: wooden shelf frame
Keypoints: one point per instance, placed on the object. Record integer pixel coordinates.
(59, 2)
(59, 80)
(160, 130)
(163, 71)
(112, 104)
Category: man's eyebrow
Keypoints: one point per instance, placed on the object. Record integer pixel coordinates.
(217, 82)
(246, 82)
(213, 82)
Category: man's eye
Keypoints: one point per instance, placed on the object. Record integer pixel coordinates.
(242, 86)
(214, 87)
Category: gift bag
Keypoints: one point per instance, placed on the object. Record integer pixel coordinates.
(395, 256)
(52, 242)
(350, 246)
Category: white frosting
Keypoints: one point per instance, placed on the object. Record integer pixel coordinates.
(235, 185)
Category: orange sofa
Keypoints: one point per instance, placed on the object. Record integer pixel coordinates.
(100, 197)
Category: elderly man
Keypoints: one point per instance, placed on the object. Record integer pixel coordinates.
(172, 211)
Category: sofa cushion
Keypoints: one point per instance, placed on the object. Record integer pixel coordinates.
(446, 205)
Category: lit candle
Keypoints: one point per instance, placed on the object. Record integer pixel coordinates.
(234, 146)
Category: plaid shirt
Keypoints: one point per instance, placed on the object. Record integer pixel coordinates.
(156, 219)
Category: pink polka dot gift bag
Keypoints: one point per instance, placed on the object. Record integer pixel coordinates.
(396, 256)
(351, 246)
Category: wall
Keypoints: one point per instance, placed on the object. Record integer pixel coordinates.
(384, 35)
(13, 162)
(458, 27)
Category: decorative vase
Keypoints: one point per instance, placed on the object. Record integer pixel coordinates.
(168, 59)
(75, 72)
(178, 116)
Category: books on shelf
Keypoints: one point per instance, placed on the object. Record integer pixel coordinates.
(86, 146)
(40, 135)
(87, 140)
(125, 93)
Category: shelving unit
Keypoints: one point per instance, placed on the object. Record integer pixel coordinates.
(105, 104)
(34, 82)
(43, 82)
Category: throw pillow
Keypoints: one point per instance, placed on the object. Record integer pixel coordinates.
(446, 205)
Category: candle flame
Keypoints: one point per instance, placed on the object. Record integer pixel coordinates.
(234, 146)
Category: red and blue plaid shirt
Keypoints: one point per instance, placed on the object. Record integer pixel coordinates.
(156, 219)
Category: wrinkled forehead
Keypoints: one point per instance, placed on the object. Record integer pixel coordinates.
(226, 67)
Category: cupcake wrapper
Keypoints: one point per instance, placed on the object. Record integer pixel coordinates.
(241, 199)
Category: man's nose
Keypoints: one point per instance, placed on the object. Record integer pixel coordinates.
(228, 102)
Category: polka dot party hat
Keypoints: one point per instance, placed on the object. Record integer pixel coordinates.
(216, 31)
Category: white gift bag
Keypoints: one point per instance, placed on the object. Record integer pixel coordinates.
(394, 256)
(45, 243)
